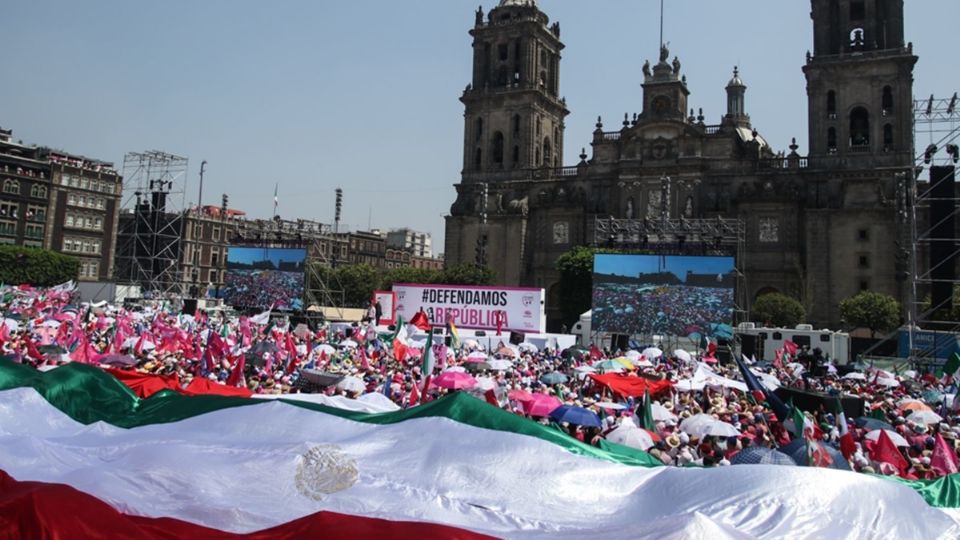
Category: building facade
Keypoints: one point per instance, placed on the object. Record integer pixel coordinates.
(820, 228)
(59, 201)
(418, 243)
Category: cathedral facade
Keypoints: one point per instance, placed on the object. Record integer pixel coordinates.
(820, 228)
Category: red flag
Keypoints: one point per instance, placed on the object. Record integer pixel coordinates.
(595, 353)
(491, 397)
(790, 347)
(399, 350)
(363, 358)
(32, 351)
(499, 322)
(236, 377)
(885, 451)
(944, 458)
(421, 321)
(778, 359)
(414, 396)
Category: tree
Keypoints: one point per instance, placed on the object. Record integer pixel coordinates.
(576, 281)
(875, 311)
(34, 266)
(778, 310)
(467, 274)
(408, 274)
(358, 282)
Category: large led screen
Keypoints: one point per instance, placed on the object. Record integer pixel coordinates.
(264, 278)
(663, 295)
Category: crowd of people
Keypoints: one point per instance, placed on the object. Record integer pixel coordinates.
(252, 288)
(671, 310)
(681, 408)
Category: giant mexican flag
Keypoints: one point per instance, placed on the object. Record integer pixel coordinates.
(82, 456)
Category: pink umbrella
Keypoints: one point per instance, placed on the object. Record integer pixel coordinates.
(520, 395)
(541, 405)
(455, 380)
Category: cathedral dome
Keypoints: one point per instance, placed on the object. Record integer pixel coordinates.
(507, 3)
(736, 81)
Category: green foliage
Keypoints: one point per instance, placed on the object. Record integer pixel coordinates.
(778, 310)
(875, 311)
(576, 281)
(358, 281)
(408, 275)
(467, 274)
(34, 266)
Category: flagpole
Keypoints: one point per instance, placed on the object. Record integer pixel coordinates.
(276, 188)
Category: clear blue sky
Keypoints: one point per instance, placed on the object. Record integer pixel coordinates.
(364, 94)
(246, 255)
(634, 265)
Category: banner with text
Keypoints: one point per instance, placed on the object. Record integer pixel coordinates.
(474, 306)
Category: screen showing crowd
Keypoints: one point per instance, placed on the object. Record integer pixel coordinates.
(663, 295)
(264, 277)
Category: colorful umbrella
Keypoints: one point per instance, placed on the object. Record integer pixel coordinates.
(576, 415)
(541, 405)
(454, 380)
(553, 377)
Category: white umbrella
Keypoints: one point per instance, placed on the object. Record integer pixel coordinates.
(889, 383)
(417, 344)
(906, 401)
(643, 363)
(470, 343)
(629, 435)
(528, 347)
(633, 355)
(480, 355)
(925, 417)
(50, 323)
(695, 423)
(352, 384)
(611, 406)
(585, 369)
(456, 369)
(661, 413)
(348, 344)
(500, 365)
(894, 436)
(683, 355)
(910, 374)
(12, 325)
(324, 348)
(769, 381)
(485, 383)
(652, 353)
(855, 376)
(719, 429)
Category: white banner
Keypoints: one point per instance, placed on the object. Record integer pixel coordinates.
(474, 306)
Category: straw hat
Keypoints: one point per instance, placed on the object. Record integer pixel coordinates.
(673, 441)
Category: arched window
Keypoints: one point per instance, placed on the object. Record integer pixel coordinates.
(538, 127)
(516, 124)
(42, 192)
(859, 127)
(887, 136)
(543, 78)
(832, 140)
(478, 159)
(547, 151)
(498, 148)
(11, 186)
(516, 155)
(34, 190)
(857, 39)
(629, 214)
(479, 128)
(887, 102)
(832, 104)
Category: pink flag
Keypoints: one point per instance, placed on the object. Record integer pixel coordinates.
(944, 458)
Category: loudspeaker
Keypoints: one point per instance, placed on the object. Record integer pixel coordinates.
(942, 262)
(480, 333)
(189, 306)
(619, 342)
(748, 345)
(517, 338)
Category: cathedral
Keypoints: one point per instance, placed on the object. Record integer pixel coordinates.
(820, 228)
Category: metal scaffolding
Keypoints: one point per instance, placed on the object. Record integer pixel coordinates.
(150, 235)
(936, 138)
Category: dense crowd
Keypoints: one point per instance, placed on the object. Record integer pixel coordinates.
(283, 290)
(679, 408)
(671, 310)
